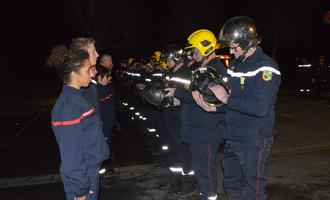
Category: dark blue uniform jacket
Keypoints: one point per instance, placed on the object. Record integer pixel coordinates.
(107, 98)
(78, 132)
(250, 108)
(172, 115)
(90, 93)
(199, 126)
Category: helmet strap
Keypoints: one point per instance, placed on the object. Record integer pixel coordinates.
(204, 58)
(201, 61)
(241, 58)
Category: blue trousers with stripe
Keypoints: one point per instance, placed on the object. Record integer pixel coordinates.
(204, 164)
(244, 164)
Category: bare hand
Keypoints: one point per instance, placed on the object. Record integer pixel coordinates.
(198, 97)
(220, 93)
(80, 198)
(176, 102)
(170, 92)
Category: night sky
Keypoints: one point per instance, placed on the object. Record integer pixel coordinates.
(137, 28)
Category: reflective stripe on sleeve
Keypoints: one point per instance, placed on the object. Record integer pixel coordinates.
(105, 98)
(74, 121)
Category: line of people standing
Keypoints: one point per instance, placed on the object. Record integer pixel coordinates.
(244, 123)
(246, 120)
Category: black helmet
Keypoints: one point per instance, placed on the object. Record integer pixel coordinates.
(155, 94)
(188, 55)
(202, 79)
(173, 52)
(239, 30)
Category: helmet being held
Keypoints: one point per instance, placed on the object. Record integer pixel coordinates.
(155, 94)
(188, 55)
(173, 52)
(239, 30)
(203, 40)
(205, 77)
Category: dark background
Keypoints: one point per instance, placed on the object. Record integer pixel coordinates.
(138, 28)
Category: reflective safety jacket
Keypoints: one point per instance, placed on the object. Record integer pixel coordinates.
(78, 132)
(250, 110)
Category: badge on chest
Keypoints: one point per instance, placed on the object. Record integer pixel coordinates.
(267, 75)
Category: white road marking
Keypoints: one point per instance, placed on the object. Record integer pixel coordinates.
(30, 123)
(29, 180)
(127, 172)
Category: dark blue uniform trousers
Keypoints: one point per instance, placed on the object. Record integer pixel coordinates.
(244, 165)
(93, 175)
(204, 165)
(174, 142)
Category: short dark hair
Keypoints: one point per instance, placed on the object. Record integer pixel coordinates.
(102, 71)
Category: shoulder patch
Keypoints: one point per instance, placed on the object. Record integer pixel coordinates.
(267, 75)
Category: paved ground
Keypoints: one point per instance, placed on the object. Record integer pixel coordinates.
(299, 165)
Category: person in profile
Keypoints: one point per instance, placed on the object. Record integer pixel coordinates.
(253, 81)
(76, 126)
(107, 95)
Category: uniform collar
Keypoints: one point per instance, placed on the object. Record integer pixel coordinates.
(250, 60)
(94, 81)
(254, 56)
(69, 89)
(213, 61)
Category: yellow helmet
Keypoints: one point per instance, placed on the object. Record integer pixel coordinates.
(156, 56)
(203, 40)
(130, 61)
(163, 64)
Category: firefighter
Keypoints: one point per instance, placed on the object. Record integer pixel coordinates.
(77, 128)
(250, 110)
(180, 179)
(107, 95)
(202, 131)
